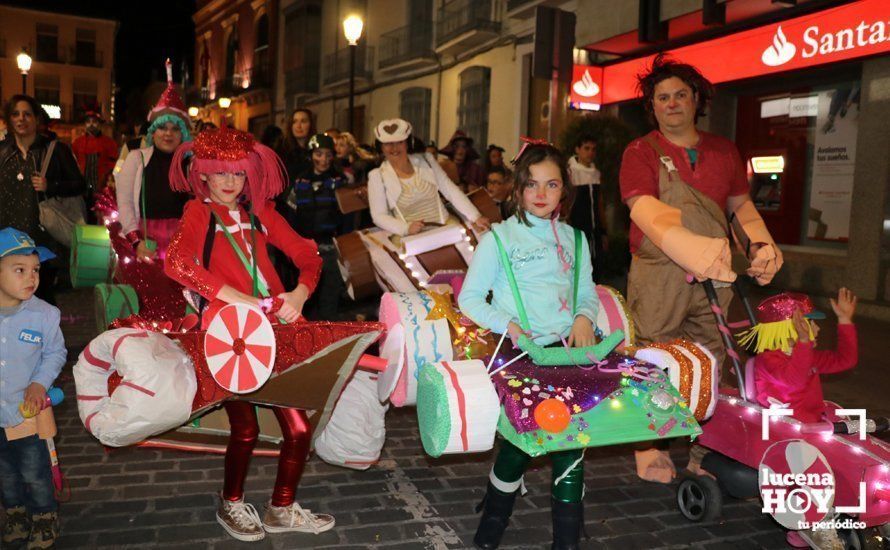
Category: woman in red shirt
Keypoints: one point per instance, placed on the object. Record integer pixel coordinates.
(234, 179)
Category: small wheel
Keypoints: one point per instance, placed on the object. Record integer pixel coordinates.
(699, 498)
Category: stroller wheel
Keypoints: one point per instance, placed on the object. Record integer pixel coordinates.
(699, 498)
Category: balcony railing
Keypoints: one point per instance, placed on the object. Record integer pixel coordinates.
(301, 81)
(46, 54)
(261, 72)
(336, 66)
(461, 16)
(409, 42)
(85, 58)
(514, 4)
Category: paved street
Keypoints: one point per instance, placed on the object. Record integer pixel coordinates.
(135, 497)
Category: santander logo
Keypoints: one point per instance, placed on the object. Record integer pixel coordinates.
(780, 52)
(586, 87)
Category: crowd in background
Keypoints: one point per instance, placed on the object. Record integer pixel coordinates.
(317, 165)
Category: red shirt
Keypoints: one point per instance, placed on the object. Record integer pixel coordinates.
(795, 380)
(100, 145)
(719, 171)
(186, 251)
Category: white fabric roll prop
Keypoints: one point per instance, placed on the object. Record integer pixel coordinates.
(415, 342)
(457, 408)
(155, 395)
(433, 239)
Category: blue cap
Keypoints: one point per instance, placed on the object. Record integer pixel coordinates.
(13, 241)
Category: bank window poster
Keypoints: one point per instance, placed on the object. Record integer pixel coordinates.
(833, 163)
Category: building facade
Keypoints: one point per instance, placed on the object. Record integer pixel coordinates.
(235, 58)
(449, 64)
(72, 62)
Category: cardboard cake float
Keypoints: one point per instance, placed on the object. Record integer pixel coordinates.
(135, 383)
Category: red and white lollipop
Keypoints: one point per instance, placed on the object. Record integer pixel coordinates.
(240, 348)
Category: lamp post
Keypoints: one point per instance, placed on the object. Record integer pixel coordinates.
(23, 60)
(352, 28)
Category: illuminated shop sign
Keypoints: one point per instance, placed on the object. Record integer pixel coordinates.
(850, 31)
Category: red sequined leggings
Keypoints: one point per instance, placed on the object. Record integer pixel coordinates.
(294, 450)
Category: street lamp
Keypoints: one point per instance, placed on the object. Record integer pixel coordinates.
(225, 102)
(194, 112)
(23, 60)
(352, 28)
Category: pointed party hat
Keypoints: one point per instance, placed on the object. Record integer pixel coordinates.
(170, 102)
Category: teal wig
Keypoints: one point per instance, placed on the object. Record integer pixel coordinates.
(164, 119)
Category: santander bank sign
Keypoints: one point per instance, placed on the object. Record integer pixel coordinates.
(845, 32)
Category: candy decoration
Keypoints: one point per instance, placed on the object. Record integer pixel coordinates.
(613, 315)
(240, 348)
(422, 340)
(692, 370)
(552, 415)
(90, 256)
(457, 407)
(114, 302)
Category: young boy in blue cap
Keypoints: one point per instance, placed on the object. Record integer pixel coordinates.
(32, 352)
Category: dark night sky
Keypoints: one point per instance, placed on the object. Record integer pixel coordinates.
(149, 32)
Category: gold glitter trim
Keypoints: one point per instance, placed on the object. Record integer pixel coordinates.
(704, 390)
(685, 369)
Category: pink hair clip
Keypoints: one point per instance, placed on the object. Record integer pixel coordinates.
(526, 141)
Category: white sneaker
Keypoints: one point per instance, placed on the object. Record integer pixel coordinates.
(240, 520)
(282, 519)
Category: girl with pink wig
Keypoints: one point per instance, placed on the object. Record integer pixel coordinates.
(220, 252)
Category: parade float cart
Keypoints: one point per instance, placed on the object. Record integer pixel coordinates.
(372, 260)
(542, 400)
(734, 435)
(138, 385)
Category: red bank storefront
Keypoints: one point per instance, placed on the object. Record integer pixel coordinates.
(807, 101)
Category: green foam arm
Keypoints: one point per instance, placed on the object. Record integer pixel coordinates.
(573, 356)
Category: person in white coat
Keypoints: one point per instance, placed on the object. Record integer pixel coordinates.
(405, 192)
(149, 210)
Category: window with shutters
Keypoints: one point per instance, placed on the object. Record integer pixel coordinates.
(47, 43)
(261, 74)
(475, 84)
(414, 106)
(46, 89)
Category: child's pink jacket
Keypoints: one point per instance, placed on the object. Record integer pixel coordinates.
(794, 379)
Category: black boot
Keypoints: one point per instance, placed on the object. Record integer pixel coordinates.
(568, 520)
(497, 507)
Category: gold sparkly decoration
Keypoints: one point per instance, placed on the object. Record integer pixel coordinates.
(704, 391)
(444, 309)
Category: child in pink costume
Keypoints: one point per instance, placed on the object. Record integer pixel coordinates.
(787, 367)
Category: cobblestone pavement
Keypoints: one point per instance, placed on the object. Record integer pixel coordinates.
(138, 497)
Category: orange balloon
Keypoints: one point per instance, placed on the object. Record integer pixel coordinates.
(552, 415)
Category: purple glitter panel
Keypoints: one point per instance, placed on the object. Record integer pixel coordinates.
(523, 385)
